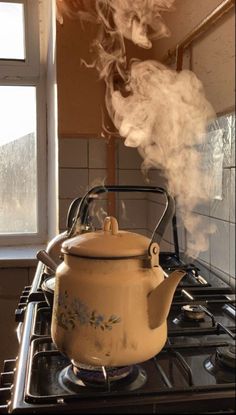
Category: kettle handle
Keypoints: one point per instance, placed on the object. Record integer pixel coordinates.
(91, 195)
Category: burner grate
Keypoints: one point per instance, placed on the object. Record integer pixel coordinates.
(168, 372)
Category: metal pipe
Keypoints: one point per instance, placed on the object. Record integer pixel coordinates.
(205, 24)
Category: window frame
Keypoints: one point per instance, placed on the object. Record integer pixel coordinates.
(26, 73)
(30, 66)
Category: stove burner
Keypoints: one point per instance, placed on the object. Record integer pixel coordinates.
(193, 312)
(226, 356)
(125, 378)
(222, 364)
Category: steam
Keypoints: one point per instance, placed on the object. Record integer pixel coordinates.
(137, 20)
(164, 114)
(140, 20)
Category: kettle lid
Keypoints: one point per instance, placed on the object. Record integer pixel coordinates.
(110, 242)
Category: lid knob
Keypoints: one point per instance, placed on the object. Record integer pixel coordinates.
(110, 224)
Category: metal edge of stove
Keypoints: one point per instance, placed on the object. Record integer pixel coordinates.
(20, 379)
(34, 294)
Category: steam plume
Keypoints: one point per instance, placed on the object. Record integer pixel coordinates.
(140, 20)
(164, 114)
(137, 20)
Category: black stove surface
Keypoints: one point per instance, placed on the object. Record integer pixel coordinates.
(175, 368)
(185, 377)
(197, 276)
(213, 312)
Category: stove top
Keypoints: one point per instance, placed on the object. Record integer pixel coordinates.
(197, 275)
(194, 372)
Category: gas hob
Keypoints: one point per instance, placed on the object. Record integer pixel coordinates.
(193, 373)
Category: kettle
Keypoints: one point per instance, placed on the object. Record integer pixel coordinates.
(111, 300)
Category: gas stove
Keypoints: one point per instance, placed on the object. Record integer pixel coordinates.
(194, 372)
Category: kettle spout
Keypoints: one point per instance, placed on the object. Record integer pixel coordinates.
(159, 300)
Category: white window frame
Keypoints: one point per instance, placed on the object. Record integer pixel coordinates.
(30, 73)
(30, 66)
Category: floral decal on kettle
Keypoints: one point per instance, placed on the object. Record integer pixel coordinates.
(77, 312)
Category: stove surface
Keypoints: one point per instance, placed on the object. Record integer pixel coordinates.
(175, 368)
(189, 375)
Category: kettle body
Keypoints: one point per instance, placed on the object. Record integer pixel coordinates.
(100, 312)
(111, 299)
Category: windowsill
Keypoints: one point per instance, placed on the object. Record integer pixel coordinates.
(19, 256)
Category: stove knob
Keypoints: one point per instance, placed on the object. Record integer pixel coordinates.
(9, 365)
(5, 396)
(6, 379)
(25, 293)
(19, 314)
(23, 299)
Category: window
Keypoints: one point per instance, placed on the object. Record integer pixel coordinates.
(12, 31)
(22, 125)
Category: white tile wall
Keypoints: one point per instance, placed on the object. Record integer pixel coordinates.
(203, 209)
(219, 245)
(205, 256)
(225, 277)
(232, 196)
(83, 164)
(73, 182)
(155, 211)
(228, 126)
(73, 153)
(181, 231)
(232, 282)
(75, 179)
(97, 177)
(166, 246)
(132, 214)
(98, 212)
(232, 249)
(64, 207)
(233, 150)
(204, 224)
(221, 253)
(220, 208)
(131, 177)
(96, 153)
(155, 179)
(128, 158)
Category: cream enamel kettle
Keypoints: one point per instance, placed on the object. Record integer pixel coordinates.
(111, 300)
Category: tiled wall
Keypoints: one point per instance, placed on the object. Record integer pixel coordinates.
(155, 209)
(82, 165)
(220, 256)
(221, 253)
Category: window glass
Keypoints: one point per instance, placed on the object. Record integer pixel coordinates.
(12, 36)
(18, 167)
